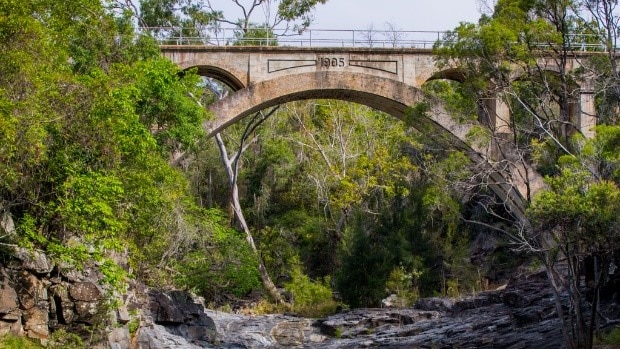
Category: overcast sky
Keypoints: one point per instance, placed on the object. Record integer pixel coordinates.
(431, 15)
(434, 15)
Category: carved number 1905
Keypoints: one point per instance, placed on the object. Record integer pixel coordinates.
(332, 62)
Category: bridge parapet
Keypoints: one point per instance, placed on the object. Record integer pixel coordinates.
(249, 65)
(387, 79)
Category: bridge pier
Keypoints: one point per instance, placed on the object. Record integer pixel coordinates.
(501, 118)
(585, 120)
(496, 115)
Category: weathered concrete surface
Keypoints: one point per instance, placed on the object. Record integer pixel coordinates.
(384, 79)
(244, 66)
(240, 67)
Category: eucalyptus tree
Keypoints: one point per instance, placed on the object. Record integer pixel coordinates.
(208, 20)
(519, 55)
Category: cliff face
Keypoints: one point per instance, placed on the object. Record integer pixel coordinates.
(38, 297)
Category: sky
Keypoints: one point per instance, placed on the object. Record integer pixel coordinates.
(431, 15)
(415, 15)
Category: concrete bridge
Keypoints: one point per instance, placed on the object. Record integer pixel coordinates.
(387, 79)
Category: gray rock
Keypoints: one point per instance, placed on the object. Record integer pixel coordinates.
(122, 315)
(158, 337)
(34, 261)
(6, 223)
(119, 338)
(8, 299)
(11, 323)
(36, 321)
(434, 304)
(87, 312)
(31, 290)
(85, 292)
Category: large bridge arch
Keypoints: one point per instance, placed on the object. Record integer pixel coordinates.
(389, 96)
(392, 97)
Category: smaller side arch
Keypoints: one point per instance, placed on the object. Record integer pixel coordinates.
(454, 74)
(220, 74)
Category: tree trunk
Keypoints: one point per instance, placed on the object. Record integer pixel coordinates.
(231, 171)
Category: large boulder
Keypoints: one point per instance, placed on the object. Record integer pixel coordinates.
(181, 315)
(34, 261)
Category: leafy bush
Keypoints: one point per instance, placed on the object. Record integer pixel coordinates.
(62, 339)
(611, 338)
(310, 298)
(218, 264)
(14, 342)
(403, 284)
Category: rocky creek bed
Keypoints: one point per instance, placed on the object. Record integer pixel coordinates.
(37, 298)
(522, 315)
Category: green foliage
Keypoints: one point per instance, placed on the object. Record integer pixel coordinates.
(89, 205)
(163, 102)
(293, 9)
(338, 332)
(280, 246)
(14, 342)
(403, 284)
(417, 112)
(610, 338)
(113, 275)
(365, 267)
(89, 115)
(159, 13)
(479, 136)
(255, 35)
(310, 298)
(457, 100)
(606, 149)
(585, 212)
(218, 264)
(61, 339)
(133, 325)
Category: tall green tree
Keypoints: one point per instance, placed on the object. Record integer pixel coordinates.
(518, 53)
(90, 117)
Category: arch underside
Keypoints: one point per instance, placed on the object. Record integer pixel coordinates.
(222, 75)
(389, 96)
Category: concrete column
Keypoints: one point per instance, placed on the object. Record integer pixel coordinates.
(502, 117)
(495, 113)
(586, 119)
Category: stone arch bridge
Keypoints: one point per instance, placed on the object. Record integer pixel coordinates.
(388, 80)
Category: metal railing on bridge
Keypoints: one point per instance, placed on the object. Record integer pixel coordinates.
(350, 38)
(369, 38)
